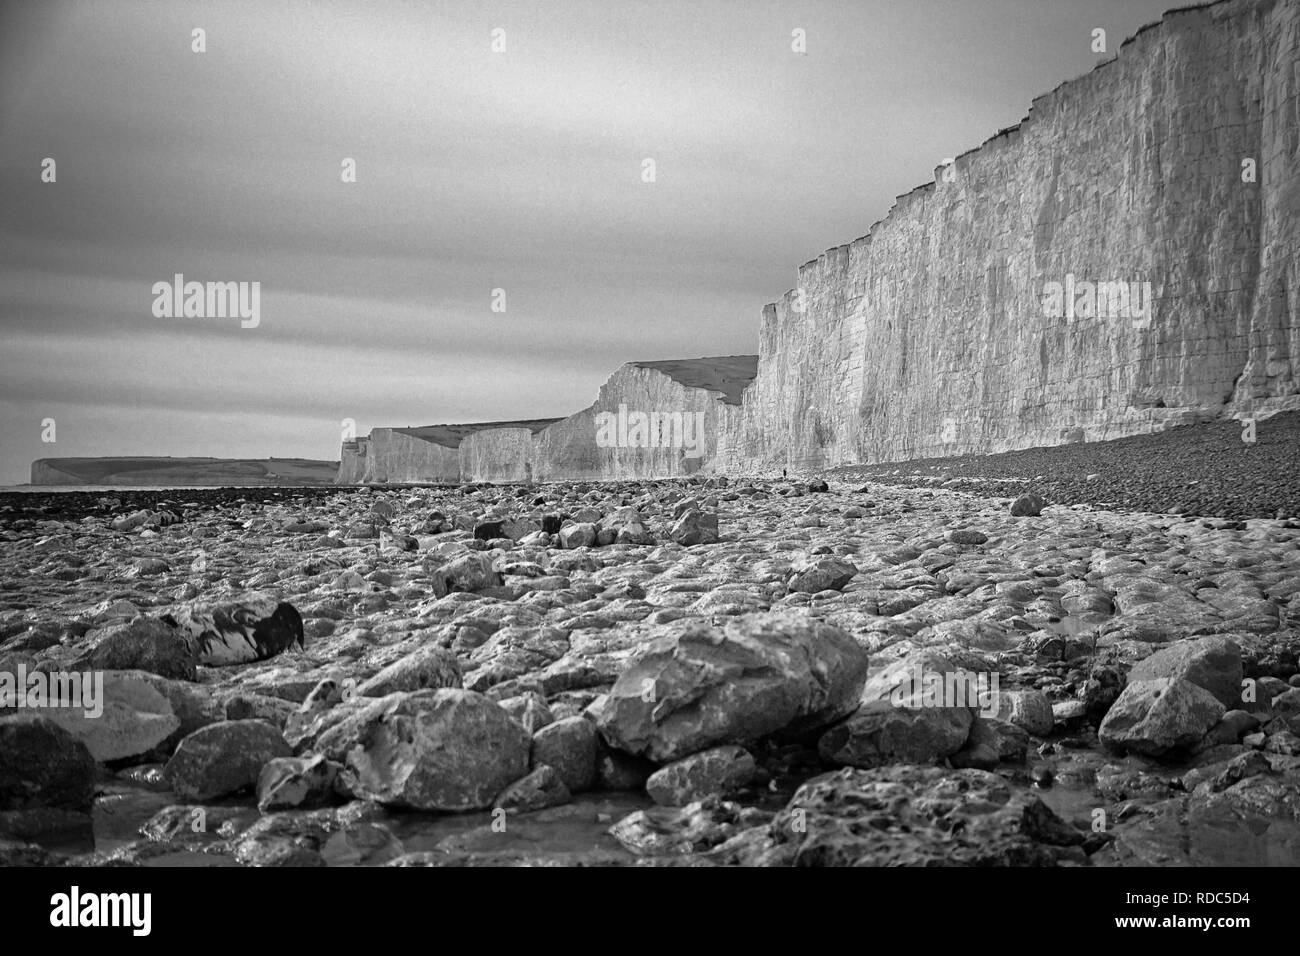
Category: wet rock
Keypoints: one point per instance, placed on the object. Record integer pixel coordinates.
(42, 765)
(1069, 713)
(569, 746)
(542, 787)
(1102, 688)
(1213, 663)
(22, 853)
(911, 816)
(192, 824)
(1028, 709)
(288, 782)
(430, 750)
(881, 733)
(1157, 717)
(1254, 822)
(990, 742)
(223, 758)
(694, 828)
(1234, 725)
(718, 771)
(316, 838)
(698, 685)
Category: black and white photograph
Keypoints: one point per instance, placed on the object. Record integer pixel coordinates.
(646, 435)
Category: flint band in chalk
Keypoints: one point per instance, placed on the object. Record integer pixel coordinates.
(59, 689)
(208, 300)
(651, 430)
(103, 909)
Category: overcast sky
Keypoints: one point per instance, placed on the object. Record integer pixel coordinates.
(476, 170)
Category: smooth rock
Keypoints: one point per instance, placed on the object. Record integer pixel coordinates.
(718, 771)
(699, 685)
(223, 758)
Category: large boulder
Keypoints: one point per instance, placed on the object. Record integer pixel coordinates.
(223, 758)
(146, 644)
(130, 719)
(42, 765)
(1210, 662)
(700, 685)
(1157, 717)
(440, 749)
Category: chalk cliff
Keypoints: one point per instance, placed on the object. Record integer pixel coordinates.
(934, 334)
(689, 401)
(1123, 260)
(429, 453)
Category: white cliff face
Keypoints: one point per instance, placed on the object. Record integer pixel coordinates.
(393, 456)
(936, 333)
(1124, 260)
(497, 454)
(352, 462)
(645, 423)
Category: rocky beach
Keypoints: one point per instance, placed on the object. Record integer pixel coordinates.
(428, 470)
(705, 671)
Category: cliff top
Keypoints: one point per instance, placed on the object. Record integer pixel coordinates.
(728, 374)
(450, 436)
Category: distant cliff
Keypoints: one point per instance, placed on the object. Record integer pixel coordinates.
(1125, 259)
(650, 419)
(182, 472)
(964, 322)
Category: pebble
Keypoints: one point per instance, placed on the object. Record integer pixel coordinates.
(489, 646)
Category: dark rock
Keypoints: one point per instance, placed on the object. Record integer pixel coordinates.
(568, 745)
(42, 765)
(223, 758)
